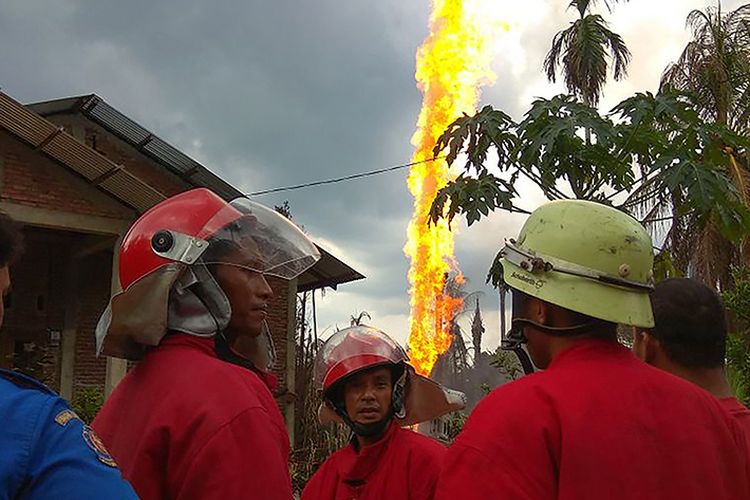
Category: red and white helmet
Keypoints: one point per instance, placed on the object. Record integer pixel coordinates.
(180, 228)
(352, 350)
(358, 348)
(193, 227)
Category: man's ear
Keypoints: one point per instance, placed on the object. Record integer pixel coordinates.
(539, 311)
(639, 343)
(646, 346)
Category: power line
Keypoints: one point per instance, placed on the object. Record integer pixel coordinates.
(346, 177)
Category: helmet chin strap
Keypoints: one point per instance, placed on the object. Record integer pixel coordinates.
(515, 339)
(365, 430)
(225, 352)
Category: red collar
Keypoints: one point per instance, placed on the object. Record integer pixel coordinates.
(206, 345)
(589, 349)
(357, 467)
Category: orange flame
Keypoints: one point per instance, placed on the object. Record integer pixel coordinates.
(452, 63)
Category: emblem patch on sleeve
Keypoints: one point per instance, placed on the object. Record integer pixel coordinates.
(66, 416)
(95, 443)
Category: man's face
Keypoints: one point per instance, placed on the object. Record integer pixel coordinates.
(235, 270)
(367, 395)
(248, 293)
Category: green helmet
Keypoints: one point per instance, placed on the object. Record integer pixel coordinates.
(585, 257)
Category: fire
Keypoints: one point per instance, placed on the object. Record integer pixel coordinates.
(452, 64)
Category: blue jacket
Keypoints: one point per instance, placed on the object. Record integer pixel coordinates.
(47, 452)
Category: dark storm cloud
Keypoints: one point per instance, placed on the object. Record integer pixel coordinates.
(266, 94)
(275, 93)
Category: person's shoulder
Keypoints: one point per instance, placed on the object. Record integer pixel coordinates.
(420, 442)
(329, 465)
(12, 380)
(200, 375)
(23, 392)
(423, 451)
(321, 479)
(527, 388)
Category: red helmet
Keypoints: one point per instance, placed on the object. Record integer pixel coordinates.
(198, 213)
(415, 398)
(351, 350)
(187, 226)
(180, 236)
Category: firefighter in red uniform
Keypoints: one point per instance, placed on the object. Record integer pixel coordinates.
(689, 340)
(194, 419)
(597, 423)
(366, 383)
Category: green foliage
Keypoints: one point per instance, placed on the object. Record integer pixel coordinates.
(664, 267)
(738, 367)
(313, 443)
(455, 424)
(737, 301)
(507, 362)
(651, 145)
(714, 65)
(87, 402)
(582, 52)
(475, 197)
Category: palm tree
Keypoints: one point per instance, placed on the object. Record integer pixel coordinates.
(581, 53)
(714, 66)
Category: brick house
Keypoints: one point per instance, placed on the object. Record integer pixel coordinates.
(76, 173)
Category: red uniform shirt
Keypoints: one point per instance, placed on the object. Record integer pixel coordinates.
(403, 465)
(185, 425)
(597, 424)
(740, 413)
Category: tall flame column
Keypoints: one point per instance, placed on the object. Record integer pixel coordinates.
(452, 63)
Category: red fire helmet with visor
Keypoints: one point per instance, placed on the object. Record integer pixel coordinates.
(352, 350)
(164, 267)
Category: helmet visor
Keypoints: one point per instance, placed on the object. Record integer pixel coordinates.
(259, 239)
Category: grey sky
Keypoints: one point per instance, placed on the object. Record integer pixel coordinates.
(273, 93)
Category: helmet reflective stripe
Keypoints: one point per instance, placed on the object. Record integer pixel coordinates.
(534, 263)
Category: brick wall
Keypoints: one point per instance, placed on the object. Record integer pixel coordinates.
(93, 295)
(35, 306)
(29, 178)
(43, 288)
(278, 322)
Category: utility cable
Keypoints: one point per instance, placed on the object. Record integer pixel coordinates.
(346, 177)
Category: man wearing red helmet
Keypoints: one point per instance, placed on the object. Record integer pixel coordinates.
(194, 419)
(367, 384)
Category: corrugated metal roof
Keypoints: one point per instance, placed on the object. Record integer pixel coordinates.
(329, 271)
(151, 145)
(62, 147)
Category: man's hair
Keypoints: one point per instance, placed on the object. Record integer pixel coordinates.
(11, 241)
(690, 323)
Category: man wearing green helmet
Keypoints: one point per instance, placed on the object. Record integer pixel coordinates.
(596, 423)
